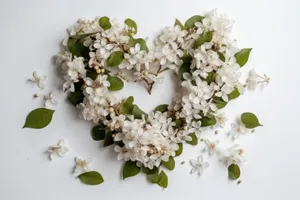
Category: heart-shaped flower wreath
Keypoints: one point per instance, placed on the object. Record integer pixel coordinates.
(101, 53)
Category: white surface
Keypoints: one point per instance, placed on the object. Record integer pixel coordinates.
(30, 34)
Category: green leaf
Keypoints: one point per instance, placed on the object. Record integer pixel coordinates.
(38, 118)
(108, 139)
(185, 67)
(179, 123)
(170, 164)
(179, 151)
(91, 178)
(115, 83)
(178, 23)
(153, 178)
(161, 108)
(142, 43)
(234, 94)
(221, 56)
(150, 171)
(130, 169)
(76, 97)
(194, 140)
(219, 102)
(76, 47)
(209, 120)
(104, 23)
(204, 37)
(234, 172)
(211, 77)
(98, 132)
(126, 107)
(250, 120)
(137, 112)
(130, 23)
(190, 23)
(242, 56)
(115, 58)
(92, 75)
(163, 180)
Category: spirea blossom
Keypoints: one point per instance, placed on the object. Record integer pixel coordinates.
(203, 57)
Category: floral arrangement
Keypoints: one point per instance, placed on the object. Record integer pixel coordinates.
(100, 54)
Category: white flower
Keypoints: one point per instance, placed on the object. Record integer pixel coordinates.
(75, 69)
(82, 165)
(39, 80)
(198, 165)
(237, 130)
(169, 53)
(233, 155)
(254, 79)
(221, 119)
(212, 146)
(59, 149)
(199, 26)
(64, 56)
(50, 99)
(68, 85)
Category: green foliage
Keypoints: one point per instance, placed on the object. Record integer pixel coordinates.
(38, 118)
(190, 23)
(150, 171)
(91, 178)
(185, 67)
(163, 180)
(115, 58)
(76, 97)
(142, 43)
(104, 22)
(219, 102)
(179, 151)
(234, 172)
(250, 120)
(194, 140)
(76, 47)
(115, 83)
(211, 77)
(126, 106)
(209, 120)
(160, 179)
(108, 139)
(130, 169)
(170, 164)
(154, 177)
(178, 23)
(179, 123)
(92, 75)
(138, 113)
(204, 37)
(221, 56)
(234, 94)
(242, 56)
(130, 23)
(98, 132)
(161, 108)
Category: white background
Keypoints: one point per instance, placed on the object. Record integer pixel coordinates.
(31, 31)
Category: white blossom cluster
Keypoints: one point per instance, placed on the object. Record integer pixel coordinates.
(213, 73)
(149, 141)
(101, 44)
(214, 58)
